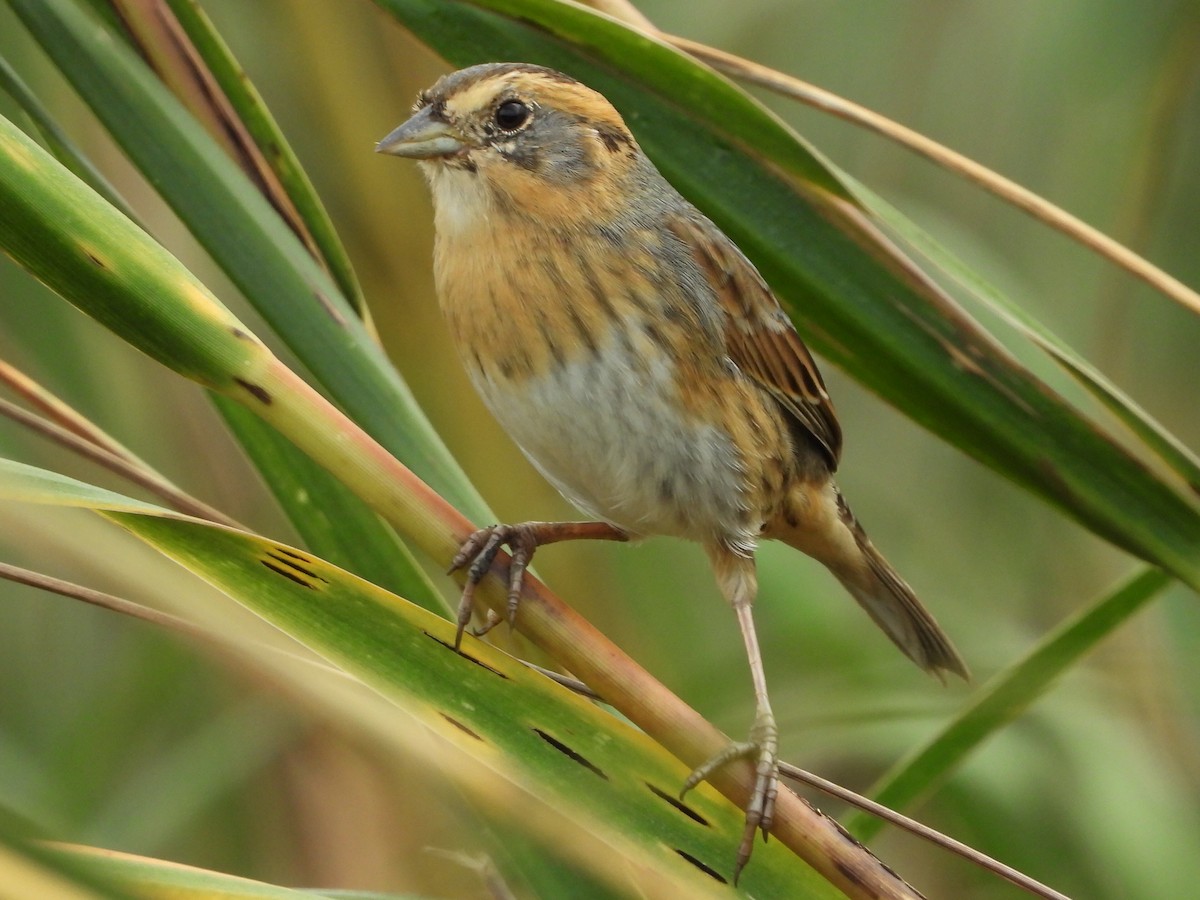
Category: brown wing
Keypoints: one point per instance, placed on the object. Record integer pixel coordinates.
(759, 337)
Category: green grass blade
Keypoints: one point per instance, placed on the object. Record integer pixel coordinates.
(246, 237)
(155, 879)
(84, 248)
(1006, 696)
(253, 114)
(595, 770)
(852, 295)
(1167, 446)
(335, 524)
(55, 138)
(29, 868)
(522, 733)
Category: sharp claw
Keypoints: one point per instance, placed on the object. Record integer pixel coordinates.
(522, 552)
(516, 578)
(477, 554)
(492, 621)
(743, 855)
(768, 816)
(465, 607)
(760, 808)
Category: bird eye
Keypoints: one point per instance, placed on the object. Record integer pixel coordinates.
(512, 114)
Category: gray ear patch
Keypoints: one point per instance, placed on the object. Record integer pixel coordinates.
(553, 145)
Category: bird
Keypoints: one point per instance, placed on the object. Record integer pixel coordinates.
(639, 361)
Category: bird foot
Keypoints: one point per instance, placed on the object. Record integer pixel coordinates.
(478, 552)
(763, 750)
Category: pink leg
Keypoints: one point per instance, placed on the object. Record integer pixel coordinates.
(735, 574)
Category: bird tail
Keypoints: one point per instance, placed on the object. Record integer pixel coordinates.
(879, 590)
(895, 608)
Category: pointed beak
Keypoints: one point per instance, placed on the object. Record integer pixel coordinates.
(422, 137)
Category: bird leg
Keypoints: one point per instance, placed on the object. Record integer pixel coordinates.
(478, 552)
(737, 579)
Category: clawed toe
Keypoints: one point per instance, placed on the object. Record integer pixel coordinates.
(493, 619)
(477, 554)
(763, 750)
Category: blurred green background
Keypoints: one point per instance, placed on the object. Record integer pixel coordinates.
(130, 739)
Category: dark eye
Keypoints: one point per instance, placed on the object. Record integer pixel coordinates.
(511, 114)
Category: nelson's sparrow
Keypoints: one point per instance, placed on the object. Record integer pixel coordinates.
(637, 358)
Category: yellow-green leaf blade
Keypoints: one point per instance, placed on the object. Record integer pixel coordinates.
(526, 736)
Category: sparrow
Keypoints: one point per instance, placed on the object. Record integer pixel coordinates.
(638, 359)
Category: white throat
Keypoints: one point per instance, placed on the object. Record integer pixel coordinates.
(461, 200)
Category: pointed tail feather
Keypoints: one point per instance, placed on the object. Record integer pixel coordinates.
(896, 609)
(834, 538)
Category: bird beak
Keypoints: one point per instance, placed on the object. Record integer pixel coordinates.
(422, 137)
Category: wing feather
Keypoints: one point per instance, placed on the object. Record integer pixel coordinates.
(759, 337)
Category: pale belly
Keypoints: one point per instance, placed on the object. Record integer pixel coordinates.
(609, 436)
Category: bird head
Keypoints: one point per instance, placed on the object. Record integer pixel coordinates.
(519, 138)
